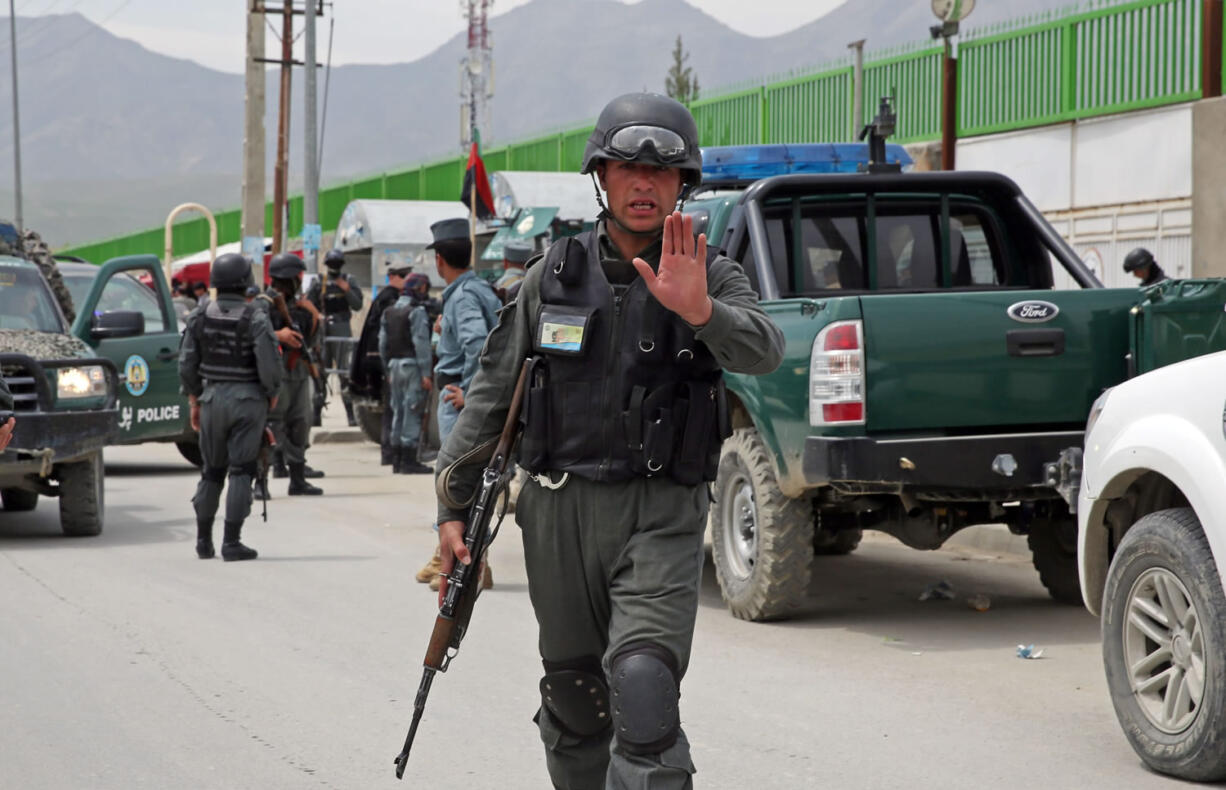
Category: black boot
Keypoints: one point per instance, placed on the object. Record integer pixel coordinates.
(387, 455)
(298, 486)
(259, 490)
(349, 414)
(397, 454)
(409, 464)
(311, 474)
(232, 547)
(204, 540)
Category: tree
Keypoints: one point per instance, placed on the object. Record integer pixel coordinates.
(681, 83)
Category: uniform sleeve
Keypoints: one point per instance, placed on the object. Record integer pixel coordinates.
(354, 295)
(190, 381)
(488, 398)
(419, 328)
(471, 331)
(267, 360)
(740, 335)
(383, 337)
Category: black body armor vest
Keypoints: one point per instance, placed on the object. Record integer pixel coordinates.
(224, 337)
(334, 303)
(620, 387)
(399, 333)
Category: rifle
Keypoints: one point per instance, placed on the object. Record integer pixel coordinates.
(464, 581)
(268, 444)
(292, 355)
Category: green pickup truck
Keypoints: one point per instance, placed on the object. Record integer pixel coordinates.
(933, 379)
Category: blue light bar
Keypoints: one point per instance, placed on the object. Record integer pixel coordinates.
(731, 163)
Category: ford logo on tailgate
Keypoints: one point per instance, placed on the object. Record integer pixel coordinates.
(1034, 312)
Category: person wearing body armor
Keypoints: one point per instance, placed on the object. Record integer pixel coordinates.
(514, 257)
(291, 419)
(366, 375)
(629, 327)
(337, 298)
(1140, 263)
(230, 371)
(470, 309)
(404, 348)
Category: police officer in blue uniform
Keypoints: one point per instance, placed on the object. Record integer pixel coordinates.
(230, 370)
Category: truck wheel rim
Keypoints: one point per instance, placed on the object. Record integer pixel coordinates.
(1164, 650)
(741, 527)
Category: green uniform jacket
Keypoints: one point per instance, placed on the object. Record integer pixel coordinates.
(740, 335)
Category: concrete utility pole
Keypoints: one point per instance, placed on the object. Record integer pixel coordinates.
(857, 89)
(16, 121)
(310, 199)
(281, 170)
(253, 139)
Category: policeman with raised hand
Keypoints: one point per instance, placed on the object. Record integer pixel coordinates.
(296, 330)
(630, 327)
(338, 297)
(230, 371)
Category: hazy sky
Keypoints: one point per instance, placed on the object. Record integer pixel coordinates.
(211, 32)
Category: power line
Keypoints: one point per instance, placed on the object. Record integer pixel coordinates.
(47, 22)
(323, 116)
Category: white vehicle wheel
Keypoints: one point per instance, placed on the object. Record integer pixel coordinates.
(1164, 646)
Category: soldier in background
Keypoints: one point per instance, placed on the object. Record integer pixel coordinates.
(183, 300)
(366, 375)
(338, 296)
(296, 322)
(515, 256)
(404, 348)
(1140, 263)
(230, 371)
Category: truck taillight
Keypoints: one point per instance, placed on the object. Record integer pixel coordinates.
(836, 375)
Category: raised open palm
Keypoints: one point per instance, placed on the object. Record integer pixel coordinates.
(680, 284)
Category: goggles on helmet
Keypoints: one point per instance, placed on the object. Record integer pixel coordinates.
(629, 142)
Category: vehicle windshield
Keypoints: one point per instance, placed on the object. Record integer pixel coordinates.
(25, 300)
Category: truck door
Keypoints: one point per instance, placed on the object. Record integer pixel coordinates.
(150, 406)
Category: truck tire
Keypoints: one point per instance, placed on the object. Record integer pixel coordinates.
(1164, 633)
(369, 414)
(18, 500)
(36, 251)
(191, 452)
(762, 540)
(82, 502)
(1053, 549)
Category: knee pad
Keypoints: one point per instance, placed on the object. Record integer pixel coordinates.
(645, 693)
(215, 474)
(576, 694)
(249, 469)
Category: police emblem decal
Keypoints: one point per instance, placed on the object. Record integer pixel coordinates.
(1033, 311)
(136, 375)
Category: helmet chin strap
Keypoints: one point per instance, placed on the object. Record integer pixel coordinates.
(605, 213)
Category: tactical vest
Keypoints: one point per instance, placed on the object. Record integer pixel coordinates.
(620, 386)
(335, 305)
(224, 337)
(399, 332)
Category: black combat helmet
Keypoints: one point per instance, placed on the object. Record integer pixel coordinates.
(1137, 258)
(646, 127)
(231, 272)
(335, 259)
(285, 266)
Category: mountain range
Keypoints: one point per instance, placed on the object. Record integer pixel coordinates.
(114, 135)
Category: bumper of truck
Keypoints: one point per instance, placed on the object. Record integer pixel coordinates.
(999, 461)
(44, 438)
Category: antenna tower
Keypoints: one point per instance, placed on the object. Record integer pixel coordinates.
(476, 73)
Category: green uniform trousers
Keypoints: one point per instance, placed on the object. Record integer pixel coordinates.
(291, 419)
(232, 416)
(610, 564)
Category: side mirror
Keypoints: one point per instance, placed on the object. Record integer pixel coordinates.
(117, 323)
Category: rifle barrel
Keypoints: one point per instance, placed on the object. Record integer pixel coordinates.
(419, 707)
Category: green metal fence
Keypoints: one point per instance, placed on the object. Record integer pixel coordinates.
(1111, 57)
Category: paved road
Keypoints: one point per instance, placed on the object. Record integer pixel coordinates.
(128, 663)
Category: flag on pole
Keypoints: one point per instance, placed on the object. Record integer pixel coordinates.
(474, 176)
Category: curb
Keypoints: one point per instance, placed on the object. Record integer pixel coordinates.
(344, 435)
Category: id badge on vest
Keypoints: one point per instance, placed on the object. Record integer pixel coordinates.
(564, 329)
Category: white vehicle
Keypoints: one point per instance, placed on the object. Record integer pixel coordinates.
(1152, 555)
